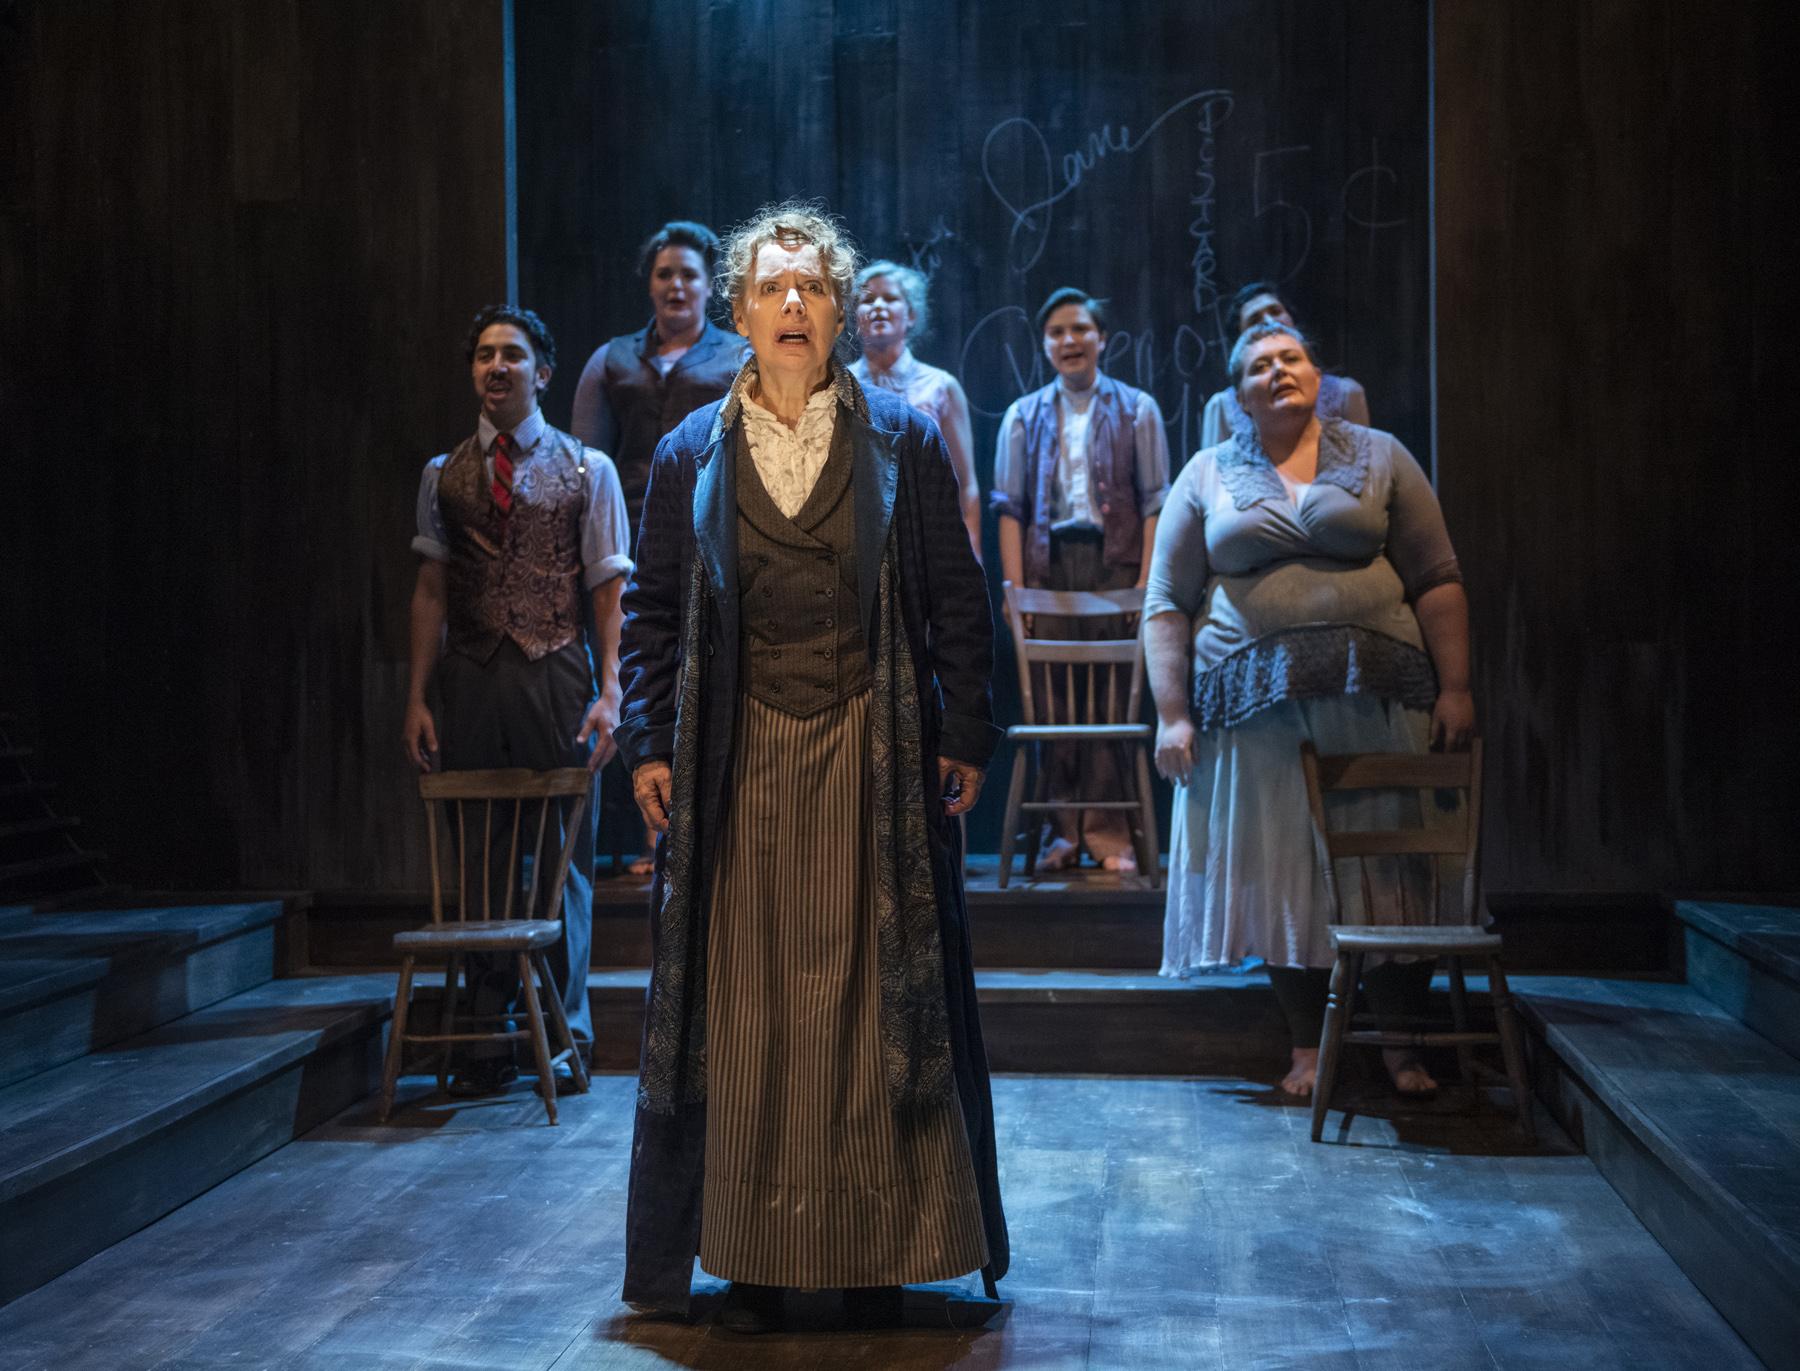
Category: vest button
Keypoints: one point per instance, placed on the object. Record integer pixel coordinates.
(775, 687)
(774, 652)
(826, 654)
(828, 592)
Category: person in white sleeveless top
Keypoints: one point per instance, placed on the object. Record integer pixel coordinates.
(892, 310)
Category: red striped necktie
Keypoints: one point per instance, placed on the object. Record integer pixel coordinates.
(503, 473)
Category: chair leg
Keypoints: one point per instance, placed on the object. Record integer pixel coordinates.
(1459, 1016)
(540, 1045)
(1512, 1046)
(559, 1019)
(390, 1071)
(1040, 787)
(1344, 976)
(1009, 826)
(1147, 816)
(447, 1018)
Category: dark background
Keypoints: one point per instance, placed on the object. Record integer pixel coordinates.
(239, 245)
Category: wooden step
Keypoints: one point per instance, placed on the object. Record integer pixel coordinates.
(1695, 1119)
(96, 1150)
(1745, 958)
(12, 872)
(1046, 1021)
(52, 823)
(73, 983)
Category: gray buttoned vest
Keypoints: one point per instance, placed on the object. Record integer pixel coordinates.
(802, 647)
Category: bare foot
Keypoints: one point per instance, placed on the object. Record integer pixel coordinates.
(1407, 1072)
(1299, 1080)
(1122, 862)
(1060, 855)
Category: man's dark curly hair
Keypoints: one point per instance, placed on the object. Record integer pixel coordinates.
(542, 345)
(680, 233)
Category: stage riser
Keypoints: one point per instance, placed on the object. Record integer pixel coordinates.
(138, 992)
(1729, 1265)
(1745, 958)
(47, 1230)
(1115, 930)
(1222, 1031)
(1762, 1001)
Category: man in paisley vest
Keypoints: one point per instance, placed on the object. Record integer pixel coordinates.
(523, 545)
(1080, 473)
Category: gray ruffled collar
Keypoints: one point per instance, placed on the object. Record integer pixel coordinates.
(1247, 472)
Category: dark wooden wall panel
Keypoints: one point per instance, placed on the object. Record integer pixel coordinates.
(250, 237)
(934, 127)
(238, 245)
(1611, 301)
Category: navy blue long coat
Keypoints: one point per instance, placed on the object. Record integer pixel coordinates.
(902, 480)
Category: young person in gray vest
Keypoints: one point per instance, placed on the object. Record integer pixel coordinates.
(516, 527)
(1080, 472)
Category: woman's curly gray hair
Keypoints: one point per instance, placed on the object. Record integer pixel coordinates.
(915, 289)
(1268, 328)
(790, 223)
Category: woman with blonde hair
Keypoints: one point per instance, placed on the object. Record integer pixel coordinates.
(805, 664)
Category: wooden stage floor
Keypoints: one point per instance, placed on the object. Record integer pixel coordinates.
(1155, 1223)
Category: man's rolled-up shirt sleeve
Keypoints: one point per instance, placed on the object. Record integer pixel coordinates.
(430, 539)
(605, 529)
(1152, 443)
(1008, 494)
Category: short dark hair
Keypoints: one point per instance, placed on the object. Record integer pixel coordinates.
(1267, 328)
(542, 345)
(1072, 295)
(1248, 292)
(679, 233)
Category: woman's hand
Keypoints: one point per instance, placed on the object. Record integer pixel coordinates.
(652, 786)
(961, 793)
(1452, 721)
(1175, 750)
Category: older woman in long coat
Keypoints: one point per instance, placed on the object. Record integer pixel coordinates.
(805, 661)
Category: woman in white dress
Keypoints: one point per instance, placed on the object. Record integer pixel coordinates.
(892, 311)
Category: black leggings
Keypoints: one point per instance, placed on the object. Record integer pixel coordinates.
(1396, 991)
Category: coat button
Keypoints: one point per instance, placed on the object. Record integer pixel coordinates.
(1105, 508)
(829, 592)
(826, 654)
(774, 652)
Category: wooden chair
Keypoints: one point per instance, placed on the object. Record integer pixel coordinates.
(450, 795)
(1091, 695)
(1354, 942)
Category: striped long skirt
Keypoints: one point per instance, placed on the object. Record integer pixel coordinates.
(811, 1178)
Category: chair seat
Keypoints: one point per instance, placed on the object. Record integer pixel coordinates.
(494, 935)
(1455, 940)
(1058, 733)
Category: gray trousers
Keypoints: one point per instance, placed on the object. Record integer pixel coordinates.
(1078, 562)
(511, 711)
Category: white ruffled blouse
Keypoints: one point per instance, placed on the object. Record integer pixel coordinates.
(789, 460)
